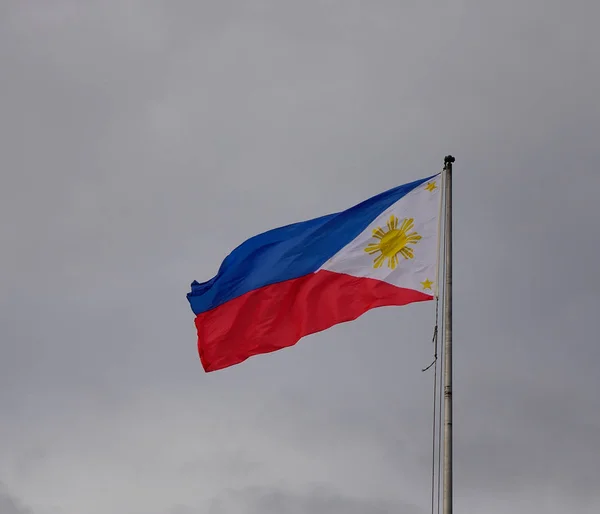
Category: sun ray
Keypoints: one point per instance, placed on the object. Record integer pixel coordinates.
(378, 233)
(413, 237)
(407, 253)
(372, 248)
(392, 223)
(407, 225)
(379, 261)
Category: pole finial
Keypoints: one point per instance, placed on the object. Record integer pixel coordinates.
(449, 160)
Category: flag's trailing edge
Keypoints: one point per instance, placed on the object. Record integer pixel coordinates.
(287, 283)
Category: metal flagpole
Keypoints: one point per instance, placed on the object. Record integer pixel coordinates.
(447, 498)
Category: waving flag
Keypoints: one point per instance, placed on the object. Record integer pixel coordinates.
(287, 283)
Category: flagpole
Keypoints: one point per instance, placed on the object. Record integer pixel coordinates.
(447, 473)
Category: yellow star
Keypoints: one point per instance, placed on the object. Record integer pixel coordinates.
(430, 186)
(427, 284)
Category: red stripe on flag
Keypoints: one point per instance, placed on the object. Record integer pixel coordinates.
(279, 315)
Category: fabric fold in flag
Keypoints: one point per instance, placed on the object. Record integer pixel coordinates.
(293, 281)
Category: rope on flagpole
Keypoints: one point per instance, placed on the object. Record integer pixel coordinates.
(433, 431)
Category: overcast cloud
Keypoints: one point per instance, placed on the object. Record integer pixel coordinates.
(141, 140)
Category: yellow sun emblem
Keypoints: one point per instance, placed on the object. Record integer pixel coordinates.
(392, 242)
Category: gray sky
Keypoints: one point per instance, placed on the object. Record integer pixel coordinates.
(141, 140)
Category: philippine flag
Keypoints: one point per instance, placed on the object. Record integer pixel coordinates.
(287, 283)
